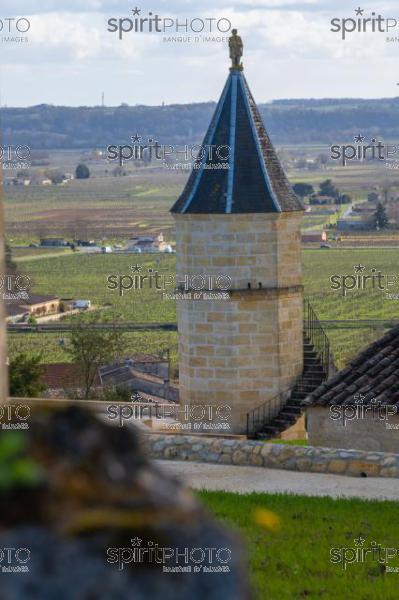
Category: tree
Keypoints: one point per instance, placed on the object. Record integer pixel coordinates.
(92, 347)
(82, 171)
(328, 189)
(380, 215)
(25, 376)
(303, 189)
(10, 264)
(55, 176)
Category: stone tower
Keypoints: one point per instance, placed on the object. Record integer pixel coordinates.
(243, 222)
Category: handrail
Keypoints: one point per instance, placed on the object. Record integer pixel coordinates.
(265, 413)
(262, 415)
(316, 335)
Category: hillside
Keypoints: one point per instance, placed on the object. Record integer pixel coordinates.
(288, 121)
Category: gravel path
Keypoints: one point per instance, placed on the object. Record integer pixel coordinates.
(253, 479)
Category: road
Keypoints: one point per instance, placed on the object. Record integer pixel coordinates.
(244, 480)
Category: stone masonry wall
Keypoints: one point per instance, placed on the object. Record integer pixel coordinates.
(311, 459)
(368, 433)
(247, 349)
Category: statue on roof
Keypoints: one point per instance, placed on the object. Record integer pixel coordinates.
(236, 50)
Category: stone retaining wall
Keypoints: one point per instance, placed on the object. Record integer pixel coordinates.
(311, 459)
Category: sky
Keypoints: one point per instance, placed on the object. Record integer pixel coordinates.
(70, 57)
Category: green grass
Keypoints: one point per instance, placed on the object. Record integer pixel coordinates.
(294, 562)
(84, 276)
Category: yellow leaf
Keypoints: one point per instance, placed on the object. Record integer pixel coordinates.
(267, 519)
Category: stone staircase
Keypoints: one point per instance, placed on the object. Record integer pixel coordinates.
(281, 412)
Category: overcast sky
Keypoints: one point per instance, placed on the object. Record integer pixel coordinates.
(70, 57)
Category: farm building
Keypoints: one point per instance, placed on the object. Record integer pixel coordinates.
(84, 243)
(53, 243)
(355, 224)
(33, 306)
(321, 200)
(144, 373)
(147, 244)
(314, 236)
(359, 406)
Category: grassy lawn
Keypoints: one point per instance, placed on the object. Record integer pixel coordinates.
(293, 562)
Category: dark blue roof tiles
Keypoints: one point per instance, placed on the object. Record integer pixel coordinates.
(254, 181)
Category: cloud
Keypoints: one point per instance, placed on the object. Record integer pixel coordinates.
(289, 51)
(56, 38)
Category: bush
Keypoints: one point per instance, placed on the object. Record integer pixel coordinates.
(82, 172)
(25, 376)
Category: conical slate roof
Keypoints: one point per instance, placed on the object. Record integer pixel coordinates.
(255, 181)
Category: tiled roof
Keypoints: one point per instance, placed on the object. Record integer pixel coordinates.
(30, 300)
(14, 310)
(254, 181)
(64, 375)
(372, 377)
(39, 299)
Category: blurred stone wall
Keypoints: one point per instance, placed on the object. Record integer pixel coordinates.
(3, 350)
(310, 459)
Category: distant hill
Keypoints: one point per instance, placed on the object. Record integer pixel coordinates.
(288, 121)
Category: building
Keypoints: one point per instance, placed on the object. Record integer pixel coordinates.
(359, 407)
(366, 209)
(53, 243)
(84, 243)
(16, 181)
(148, 244)
(144, 373)
(318, 237)
(321, 200)
(32, 306)
(148, 375)
(244, 223)
(355, 224)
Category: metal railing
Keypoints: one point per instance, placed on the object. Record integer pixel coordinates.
(314, 333)
(260, 416)
(316, 336)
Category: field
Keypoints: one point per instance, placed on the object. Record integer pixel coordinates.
(116, 208)
(103, 207)
(85, 276)
(294, 560)
(48, 345)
